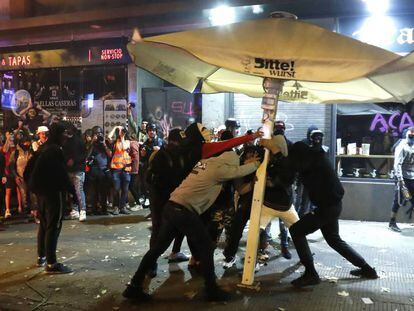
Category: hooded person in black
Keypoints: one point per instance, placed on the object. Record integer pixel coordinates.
(325, 192)
(163, 176)
(48, 179)
(302, 203)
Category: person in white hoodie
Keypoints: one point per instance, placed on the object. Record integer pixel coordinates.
(182, 213)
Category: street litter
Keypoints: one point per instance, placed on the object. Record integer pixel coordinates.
(367, 301)
(343, 294)
(331, 279)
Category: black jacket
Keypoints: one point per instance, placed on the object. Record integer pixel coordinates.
(317, 175)
(166, 170)
(75, 149)
(49, 173)
(278, 194)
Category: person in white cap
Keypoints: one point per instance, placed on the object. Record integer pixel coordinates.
(43, 134)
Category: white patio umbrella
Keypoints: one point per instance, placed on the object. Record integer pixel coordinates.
(323, 66)
(258, 58)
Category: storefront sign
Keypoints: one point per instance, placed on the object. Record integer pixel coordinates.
(396, 122)
(393, 33)
(65, 58)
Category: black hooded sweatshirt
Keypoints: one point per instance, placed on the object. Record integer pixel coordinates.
(318, 177)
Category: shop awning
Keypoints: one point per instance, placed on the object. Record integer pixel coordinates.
(361, 109)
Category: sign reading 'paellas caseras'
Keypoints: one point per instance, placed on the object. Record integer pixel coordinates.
(65, 57)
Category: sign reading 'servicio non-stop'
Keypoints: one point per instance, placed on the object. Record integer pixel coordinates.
(65, 58)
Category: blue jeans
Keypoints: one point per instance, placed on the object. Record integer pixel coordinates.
(121, 181)
(78, 179)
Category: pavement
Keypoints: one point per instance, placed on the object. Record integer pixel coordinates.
(104, 252)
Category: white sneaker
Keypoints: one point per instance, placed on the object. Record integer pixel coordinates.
(230, 263)
(74, 214)
(135, 208)
(82, 216)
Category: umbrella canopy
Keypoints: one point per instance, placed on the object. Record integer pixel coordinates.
(321, 66)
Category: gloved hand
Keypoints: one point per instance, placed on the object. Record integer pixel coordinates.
(276, 144)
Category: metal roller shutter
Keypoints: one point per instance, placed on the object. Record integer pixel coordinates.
(298, 117)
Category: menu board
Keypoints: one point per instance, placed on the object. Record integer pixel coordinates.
(115, 113)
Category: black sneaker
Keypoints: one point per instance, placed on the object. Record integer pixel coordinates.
(177, 257)
(306, 279)
(41, 261)
(368, 273)
(217, 294)
(57, 268)
(285, 253)
(136, 293)
(124, 211)
(393, 226)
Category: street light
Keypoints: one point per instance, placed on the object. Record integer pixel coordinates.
(222, 15)
(377, 7)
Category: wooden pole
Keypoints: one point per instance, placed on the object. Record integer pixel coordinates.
(272, 88)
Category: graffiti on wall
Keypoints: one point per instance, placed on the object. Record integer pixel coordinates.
(396, 122)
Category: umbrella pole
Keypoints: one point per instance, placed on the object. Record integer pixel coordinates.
(272, 87)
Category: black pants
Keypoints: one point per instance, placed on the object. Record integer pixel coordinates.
(409, 183)
(158, 202)
(143, 186)
(50, 216)
(133, 187)
(328, 224)
(221, 217)
(240, 219)
(100, 186)
(178, 219)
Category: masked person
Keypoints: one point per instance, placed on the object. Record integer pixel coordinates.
(314, 139)
(404, 174)
(277, 202)
(163, 177)
(325, 192)
(181, 215)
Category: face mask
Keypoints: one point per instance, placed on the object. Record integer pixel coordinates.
(410, 139)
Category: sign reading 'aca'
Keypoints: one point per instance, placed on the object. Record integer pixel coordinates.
(396, 122)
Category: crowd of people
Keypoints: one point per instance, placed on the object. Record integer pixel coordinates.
(196, 185)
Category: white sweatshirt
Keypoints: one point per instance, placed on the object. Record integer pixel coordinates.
(203, 185)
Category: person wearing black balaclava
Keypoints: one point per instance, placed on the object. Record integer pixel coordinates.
(314, 139)
(325, 192)
(404, 174)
